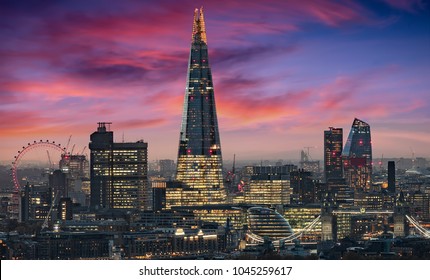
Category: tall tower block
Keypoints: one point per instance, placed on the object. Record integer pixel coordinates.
(199, 165)
(333, 142)
(357, 156)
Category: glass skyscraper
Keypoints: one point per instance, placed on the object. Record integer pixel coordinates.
(336, 184)
(357, 157)
(333, 142)
(199, 165)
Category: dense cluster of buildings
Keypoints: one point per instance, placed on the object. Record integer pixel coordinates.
(117, 206)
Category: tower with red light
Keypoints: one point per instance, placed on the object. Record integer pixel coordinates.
(357, 157)
(199, 165)
(333, 142)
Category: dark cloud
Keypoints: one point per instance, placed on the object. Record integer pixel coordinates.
(235, 55)
(112, 73)
(239, 82)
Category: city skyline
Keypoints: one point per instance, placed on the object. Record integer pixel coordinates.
(283, 71)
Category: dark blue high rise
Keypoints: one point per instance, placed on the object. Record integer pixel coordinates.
(199, 157)
(357, 156)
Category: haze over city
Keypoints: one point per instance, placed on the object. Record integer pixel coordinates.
(283, 72)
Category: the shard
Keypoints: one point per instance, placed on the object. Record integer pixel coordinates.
(199, 166)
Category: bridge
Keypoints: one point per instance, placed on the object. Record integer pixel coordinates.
(423, 232)
(256, 239)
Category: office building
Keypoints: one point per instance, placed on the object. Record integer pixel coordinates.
(269, 185)
(391, 177)
(199, 165)
(119, 172)
(357, 157)
(167, 168)
(65, 209)
(58, 183)
(301, 216)
(265, 222)
(77, 170)
(303, 186)
(333, 142)
(307, 164)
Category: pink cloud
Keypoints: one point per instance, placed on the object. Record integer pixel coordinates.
(139, 123)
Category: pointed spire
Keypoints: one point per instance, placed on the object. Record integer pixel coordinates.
(195, 23)
(202, 26)
(199, 29)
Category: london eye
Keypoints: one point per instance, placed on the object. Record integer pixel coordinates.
(30, 147)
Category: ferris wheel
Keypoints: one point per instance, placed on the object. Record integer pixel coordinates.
(32, 146)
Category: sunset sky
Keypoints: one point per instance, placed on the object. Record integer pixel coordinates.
(284, 71)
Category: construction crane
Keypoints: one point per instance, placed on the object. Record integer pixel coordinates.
(83, 150)
(68, 143)
(308, 153)
(381, 162)
(73, 147)
(413, 159)
(230, 177)
(49, 159)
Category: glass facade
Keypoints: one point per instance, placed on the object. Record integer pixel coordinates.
(357, 157)
(199, 165)
(269, 190)
(236, 216)
(266, 222)
(301, 216)
(269, 185)
(333, 141)
(119, 173)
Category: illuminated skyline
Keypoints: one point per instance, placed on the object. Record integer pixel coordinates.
(284, 71)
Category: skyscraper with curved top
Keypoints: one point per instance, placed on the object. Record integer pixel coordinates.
(199, 165)
(357, 156)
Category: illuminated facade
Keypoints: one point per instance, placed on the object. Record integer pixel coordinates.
(269, 185)
(342, 194)
(304, 188)
(234, 215)
(119, 172)
(333, 153)
(199, 165)
(158, 186)
(266, 222)
(167, 245)
(301, 216)
(174, 193)
(35, 202)
(269, 190)
(357, 157)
